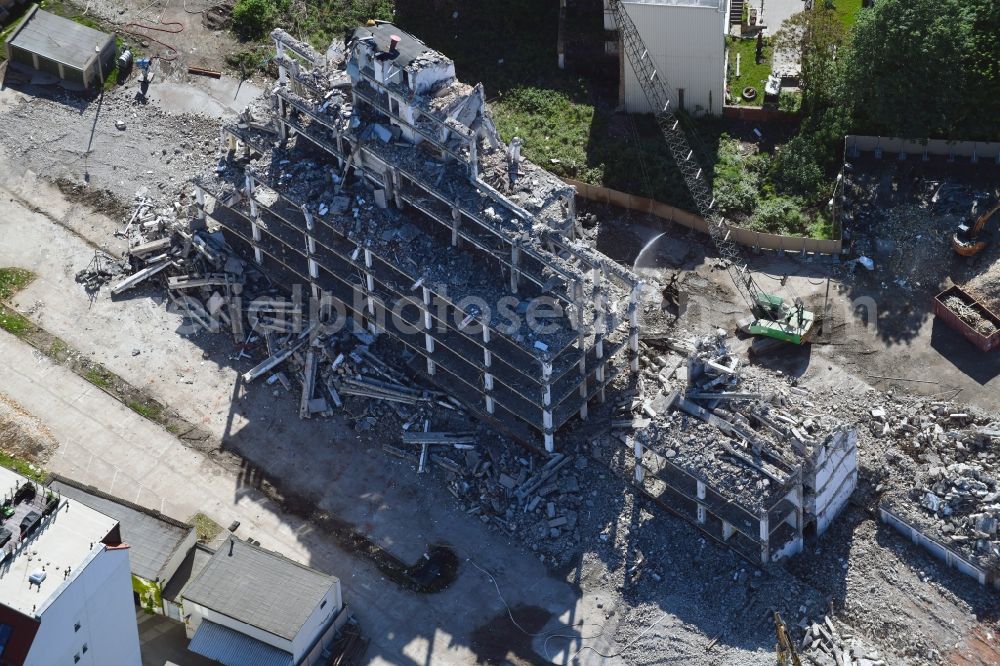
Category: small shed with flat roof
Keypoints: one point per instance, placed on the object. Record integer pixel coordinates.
(62, 48)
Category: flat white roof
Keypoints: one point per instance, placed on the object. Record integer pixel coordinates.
(708, 4)
(68, 538)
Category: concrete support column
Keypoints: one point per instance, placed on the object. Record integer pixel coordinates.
(389, 186)
(488, 377)
(727, 530)
(428, 327)
(601, 365)
(456, 222)
(701, 507)
(258, 254)
(633, 328)
(282, 126)
(799, 501)
(370, 288)
(581, 343)
(515, 261)
(571, 216)
(550, 445)
(473, 159)
(640, 471)
(397, 188)
(765, 534)
(282, 74)
(311, 250)
(199, 198)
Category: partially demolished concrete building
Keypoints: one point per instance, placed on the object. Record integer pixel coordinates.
(756, 470)
(373, 179)
(459, 249)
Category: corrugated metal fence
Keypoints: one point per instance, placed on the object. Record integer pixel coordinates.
(973, 151)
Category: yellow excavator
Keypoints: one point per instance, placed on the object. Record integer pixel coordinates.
(971, 241)
(787, 656)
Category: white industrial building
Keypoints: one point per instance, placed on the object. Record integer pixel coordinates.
(252, 607)
(687, 41)
(65, 584)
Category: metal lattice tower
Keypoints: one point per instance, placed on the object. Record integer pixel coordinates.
(690, 160)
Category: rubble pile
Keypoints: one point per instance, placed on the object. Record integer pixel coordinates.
(824, 645)
(537, 500)
(902, 215)
(986, 285)
(954, 495)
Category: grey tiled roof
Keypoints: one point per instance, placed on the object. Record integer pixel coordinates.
(152, 537)
(59, 39)
(260, 588)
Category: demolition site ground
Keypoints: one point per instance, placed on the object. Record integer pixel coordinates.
(582, 567)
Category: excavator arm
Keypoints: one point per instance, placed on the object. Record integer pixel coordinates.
(968, 242)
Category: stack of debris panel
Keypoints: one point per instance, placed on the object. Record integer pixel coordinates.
(379, 180)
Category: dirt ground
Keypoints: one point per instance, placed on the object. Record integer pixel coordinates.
(23, 434)
(694, 602)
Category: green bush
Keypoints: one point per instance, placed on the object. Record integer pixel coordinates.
(252, 19)
(738, 178)
(781, 215)
(798, 166)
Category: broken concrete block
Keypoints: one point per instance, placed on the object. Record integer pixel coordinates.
(382, 132)
(550, 510)
(380, 200)
(215, 303)
(507, 482)
(318, 405)
(558, 522)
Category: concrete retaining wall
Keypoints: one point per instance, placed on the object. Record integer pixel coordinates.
(973, 151)
(937, 549)
(754, 239)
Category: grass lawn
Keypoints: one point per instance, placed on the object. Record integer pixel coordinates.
(751, 74)
(13, 280)
(206, 528)
(847, 11)
(566, 119)
(23, 467)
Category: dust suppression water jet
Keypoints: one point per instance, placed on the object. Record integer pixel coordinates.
(638, 257)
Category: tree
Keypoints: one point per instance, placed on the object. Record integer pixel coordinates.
(926, 68)
(252, 19)
(803, 165)
(819, 38)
